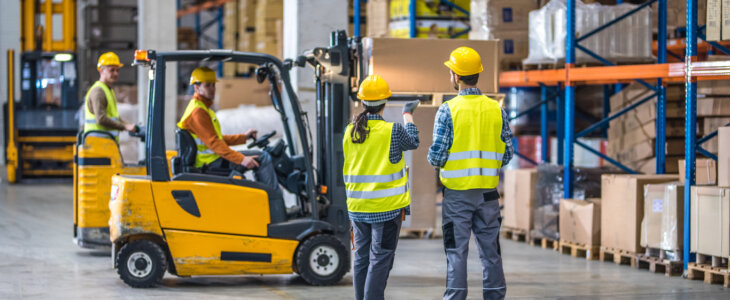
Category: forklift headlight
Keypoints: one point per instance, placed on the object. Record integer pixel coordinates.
(62, 57)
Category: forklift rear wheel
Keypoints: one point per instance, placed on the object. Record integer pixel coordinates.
(322, 260)
(141, 263)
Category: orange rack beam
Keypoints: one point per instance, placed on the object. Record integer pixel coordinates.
(194, 9)
(671, 72)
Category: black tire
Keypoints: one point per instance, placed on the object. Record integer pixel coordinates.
(148, 261)
(329, 258)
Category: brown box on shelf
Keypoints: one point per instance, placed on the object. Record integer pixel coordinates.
(232, 92)
(710, 221)
(378, 17)
(723, 157)
(635, 92)
(513, 45)
(622, 209)
(662, 227)
(619, 141)
(711, 124)
(413, 65)
(725, 36)
(648, 166)
(714, 20)
(519, 195)
(705, 171)
(713, 107)
(580, 221)
(713, 88)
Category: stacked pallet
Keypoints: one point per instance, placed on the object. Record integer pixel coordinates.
(710, 225)
(662, 229)
(632, 136)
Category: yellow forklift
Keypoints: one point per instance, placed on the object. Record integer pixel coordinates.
(196, 222)
(41, 127)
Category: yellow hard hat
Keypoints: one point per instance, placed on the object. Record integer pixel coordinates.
(465, 61)
(374, 90)
(203, 74)
(108, 59)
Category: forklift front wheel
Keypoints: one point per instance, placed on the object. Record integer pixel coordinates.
(322, 260)
(141, 263)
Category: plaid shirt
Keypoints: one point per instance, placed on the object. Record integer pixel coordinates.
(443, 134)
(402, 139)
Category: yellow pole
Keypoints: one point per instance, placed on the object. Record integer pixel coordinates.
(12, 151)
(48, 30)
(27, 11)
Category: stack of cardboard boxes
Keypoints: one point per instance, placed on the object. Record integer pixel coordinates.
(713, 106)
(378, 17)
(507, 21)
(632, 136)
(269, 27)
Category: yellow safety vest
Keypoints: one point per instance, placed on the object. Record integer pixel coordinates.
(374, 184)
(111, 110)
(205, 156)
(477, 149)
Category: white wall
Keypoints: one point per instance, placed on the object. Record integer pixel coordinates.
(9, 39)
(158, 31)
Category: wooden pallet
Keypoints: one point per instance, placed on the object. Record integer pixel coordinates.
(545, 243)
(659, 265)
(416, 233)
(709, 274)
(713, 261)
(579, 250)
(515, 234)
(617, 256)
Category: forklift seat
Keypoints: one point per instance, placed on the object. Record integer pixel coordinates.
(184, 162)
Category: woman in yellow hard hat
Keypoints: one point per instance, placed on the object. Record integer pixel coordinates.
(376, 184)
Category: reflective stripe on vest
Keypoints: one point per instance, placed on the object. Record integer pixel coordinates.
(477, 149)
(205, 155)
(111, 110)
(372, 183)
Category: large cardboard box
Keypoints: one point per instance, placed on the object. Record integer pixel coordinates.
(424, 178)
(663, 226)
(723, 157)
(715, 106)
(714, 20)
(622, 209)
(416, 65)
(710, 221)
(519, 196)
(713, 88)
(580, 221)
(705, 171)
(378, 12)
(514, 45)
(725, 35)
(232, 92)
(502, 14)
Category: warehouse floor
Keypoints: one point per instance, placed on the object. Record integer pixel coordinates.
(39, 261)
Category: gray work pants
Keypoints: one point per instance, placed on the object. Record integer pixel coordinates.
(375, 245)
(465, 212)
(264, 173)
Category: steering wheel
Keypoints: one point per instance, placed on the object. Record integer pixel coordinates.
(262, 141)
(140, 133)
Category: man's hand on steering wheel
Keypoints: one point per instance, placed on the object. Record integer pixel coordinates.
(251, 134)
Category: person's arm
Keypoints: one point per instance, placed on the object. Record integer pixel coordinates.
(402, 139)
(507, 139)
(97, 105)
(438, 153)
(201, 125)
(235, 139)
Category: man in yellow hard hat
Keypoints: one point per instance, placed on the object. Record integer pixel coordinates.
(101, 102)
(376, 184)
(214, 149)
(471, 142)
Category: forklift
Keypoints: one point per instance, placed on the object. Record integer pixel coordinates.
(191, 222)
(41, 127)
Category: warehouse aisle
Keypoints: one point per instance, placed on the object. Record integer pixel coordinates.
(40, 262)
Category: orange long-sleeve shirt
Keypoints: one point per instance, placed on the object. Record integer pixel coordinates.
(200, 124)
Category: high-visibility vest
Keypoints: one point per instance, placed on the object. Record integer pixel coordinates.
(372, 183)
(477, 148)
(205, 155)
(111, 110)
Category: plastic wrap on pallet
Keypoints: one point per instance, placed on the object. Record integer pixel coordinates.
(549, 191)
(628, 40)
(661, 227)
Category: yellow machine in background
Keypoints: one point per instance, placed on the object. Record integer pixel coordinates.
(42, 126)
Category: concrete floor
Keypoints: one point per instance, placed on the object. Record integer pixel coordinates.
(39, 261)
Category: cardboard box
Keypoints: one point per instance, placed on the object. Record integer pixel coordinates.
(635, 92)
(619, 141)
(414, 65)
(713, 88)
(705, 171)
(663, 226)
(723, 157)
(725, 30)
(513, 44)
(519, 196)
(232, 92)
(711, 124)
(714, 20)
(424, 178)
(580, 221)
(710, 221)
(378, 17)
(713, 107)
(622, 209)
(502, 14)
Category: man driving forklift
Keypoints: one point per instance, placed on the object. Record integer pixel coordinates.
(214, 151)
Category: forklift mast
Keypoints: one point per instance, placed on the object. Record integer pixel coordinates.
(338, 70)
